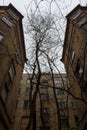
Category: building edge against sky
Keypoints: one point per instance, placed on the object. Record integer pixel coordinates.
(75, 59)
(12, 59)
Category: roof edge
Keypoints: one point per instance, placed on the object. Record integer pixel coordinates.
(76, 8)
(10, 6)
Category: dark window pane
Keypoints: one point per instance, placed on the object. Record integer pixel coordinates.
(64, 121)
(44, 97)
(4, 92)
(26, 104)
(59, 91)
(61, 104)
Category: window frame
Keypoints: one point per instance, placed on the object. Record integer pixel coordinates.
(76, 15)
(64, 121)
(44, 84)
(77, 122)
(1, 36)
(11, 72)
(57, 80)
(6, 91)
(72, 54)
(7, 21)
(26, 104)
(27, 90)
(13, 15)
(82, 21)
(78, 69)
(28, 81)
(59, 91)
(45, 111)
(73, 105)
(62, 104)
(17, 56)
(44, 97)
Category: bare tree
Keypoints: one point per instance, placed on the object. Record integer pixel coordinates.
(42, 40)
(44, 46)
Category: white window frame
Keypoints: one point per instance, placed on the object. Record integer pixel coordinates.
(11, 72)
(6, 20)
(73, 55)
(82, 21)
(28, 81)
(76, 15)
(80, 71)
(1, 36)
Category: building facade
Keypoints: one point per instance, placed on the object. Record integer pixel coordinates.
(54, 107)
(75, 59)
(12, 59)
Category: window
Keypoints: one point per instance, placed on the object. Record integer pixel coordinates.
(26, 104)
(16, 105)
(77, 120)
(17, 56)
(4, 92)
(45, 111)
(1, 36)
(13, 15)
(28, 81)
(59, 91)
(76, 15)
(85, 88)
(64, 121)
(27, 90)
(72, 54)
(44, 84)
(11, 72)
(45, 128)
(45, 114)
(57, 80)
(82, 21)
(73, 105)
(61, 104)
(7, 21)
(44, 97)
(79, 69)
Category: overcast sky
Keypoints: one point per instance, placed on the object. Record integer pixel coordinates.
(60, 8)
(21, 4)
